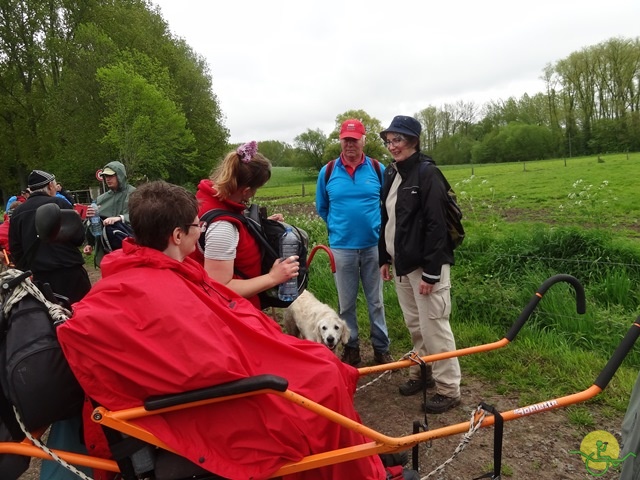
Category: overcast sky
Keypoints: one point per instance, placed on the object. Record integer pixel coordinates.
(281, 67)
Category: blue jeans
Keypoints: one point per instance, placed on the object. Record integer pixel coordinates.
(352, 267)
(64, 435)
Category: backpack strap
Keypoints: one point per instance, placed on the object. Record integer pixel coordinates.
(376, 166)
(210, 216)
(253, 226)
(329, 169)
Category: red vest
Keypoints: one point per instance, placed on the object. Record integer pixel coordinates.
(248, 255)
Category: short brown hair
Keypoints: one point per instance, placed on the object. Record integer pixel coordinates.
(156, 209)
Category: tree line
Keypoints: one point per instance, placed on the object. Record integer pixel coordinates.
(84, 82)
(591, 105)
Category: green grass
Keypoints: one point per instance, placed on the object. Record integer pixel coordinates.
(517, 237)
(584, 191)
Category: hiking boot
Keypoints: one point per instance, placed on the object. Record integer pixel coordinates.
(415, 386)
(351, 355)
(440, 404)
(381, 358)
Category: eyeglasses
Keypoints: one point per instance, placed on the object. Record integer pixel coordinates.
(201, 226)
(394, 141)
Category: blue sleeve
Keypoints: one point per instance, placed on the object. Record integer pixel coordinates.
(322, 199)
(10, 201)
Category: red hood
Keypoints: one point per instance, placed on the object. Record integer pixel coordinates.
(134, 256)
(154, 326)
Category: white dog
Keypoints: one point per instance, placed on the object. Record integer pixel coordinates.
(309, 318)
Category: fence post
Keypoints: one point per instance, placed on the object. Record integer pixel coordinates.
(303, 189)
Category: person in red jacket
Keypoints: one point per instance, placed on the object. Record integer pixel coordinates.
(4, 226)
(157, 324)
(231, 254)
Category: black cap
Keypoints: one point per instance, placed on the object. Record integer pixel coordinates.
(38, 179)
(405, 125)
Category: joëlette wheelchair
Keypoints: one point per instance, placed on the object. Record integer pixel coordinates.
(167, 465)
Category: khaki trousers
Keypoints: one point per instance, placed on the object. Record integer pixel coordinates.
(427, 318)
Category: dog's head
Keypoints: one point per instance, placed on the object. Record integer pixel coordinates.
(333, 331)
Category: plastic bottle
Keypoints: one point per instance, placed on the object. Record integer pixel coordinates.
(289, 246)
(95, 224)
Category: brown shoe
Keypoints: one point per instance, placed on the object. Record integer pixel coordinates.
(351, 355)
(381, 358)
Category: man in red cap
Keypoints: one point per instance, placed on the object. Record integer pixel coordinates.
(348, 200)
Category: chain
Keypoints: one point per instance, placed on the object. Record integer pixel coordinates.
(412, 355)
(474, 426)
(379, 377)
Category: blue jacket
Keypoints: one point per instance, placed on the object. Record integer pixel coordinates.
(350, 206)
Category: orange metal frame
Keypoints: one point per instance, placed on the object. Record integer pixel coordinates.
(6, 261)
(124, 420)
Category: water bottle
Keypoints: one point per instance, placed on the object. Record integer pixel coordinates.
(95, 224)
(289, 246)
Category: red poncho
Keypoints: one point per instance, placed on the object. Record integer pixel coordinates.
(155, 326)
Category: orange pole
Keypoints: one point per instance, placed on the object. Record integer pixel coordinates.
(381, 443)
(76, 459)
(384, 444)
(433, 358)
(328, 251)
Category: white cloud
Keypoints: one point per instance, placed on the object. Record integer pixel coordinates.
(281, 67)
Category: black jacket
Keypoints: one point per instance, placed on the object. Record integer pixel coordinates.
(23, 237)
(421, 236)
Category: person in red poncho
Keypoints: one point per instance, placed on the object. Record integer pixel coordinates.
(157, 324)
(4, 226)
(231, 254)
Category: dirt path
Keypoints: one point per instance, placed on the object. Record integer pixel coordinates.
(536, 446)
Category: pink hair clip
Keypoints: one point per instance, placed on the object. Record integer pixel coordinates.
(247, 151)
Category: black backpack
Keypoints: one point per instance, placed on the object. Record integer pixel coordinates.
(454, 213)
(34, 374)
(267, 233)
(113, 236)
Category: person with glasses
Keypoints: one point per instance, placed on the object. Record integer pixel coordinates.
(231, 254)
(156, 324)
(349, 203)
(416, 252)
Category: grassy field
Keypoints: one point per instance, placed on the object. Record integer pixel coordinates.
(597, 191)
(525, 223)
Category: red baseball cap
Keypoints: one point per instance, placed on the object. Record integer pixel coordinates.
(352, 128)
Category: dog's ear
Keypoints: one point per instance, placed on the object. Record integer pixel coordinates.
(346, 333)
(318, 331)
